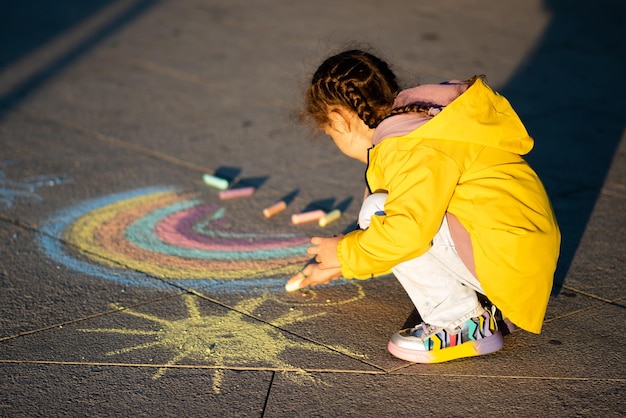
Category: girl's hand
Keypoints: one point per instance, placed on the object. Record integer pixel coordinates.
(325, 251)
(312, 275)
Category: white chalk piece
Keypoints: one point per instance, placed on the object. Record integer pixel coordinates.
(300, 218)
(236, 193)
(293, 286)
(274, 209)
(332, 216)
(213, 181)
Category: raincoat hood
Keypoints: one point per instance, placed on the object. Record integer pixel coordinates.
(474, 114)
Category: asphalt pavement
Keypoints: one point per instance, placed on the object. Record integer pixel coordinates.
(129, 287)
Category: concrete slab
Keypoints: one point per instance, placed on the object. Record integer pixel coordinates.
(366, 395)
(110, 112)
(71, 390)
(182, 332)
(598, 268)
(38, 293)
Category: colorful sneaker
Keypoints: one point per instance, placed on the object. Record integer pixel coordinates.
(504, 324)
(426, 343)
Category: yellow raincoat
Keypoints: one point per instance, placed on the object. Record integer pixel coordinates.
(466, 161)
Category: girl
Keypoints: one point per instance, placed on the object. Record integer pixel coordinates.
(452, 208)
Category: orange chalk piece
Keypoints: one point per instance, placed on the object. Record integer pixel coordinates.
(274, 209)
(332, 216)
(236, 193)
(300, 218)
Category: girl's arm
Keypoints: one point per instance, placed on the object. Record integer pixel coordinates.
(420, 182)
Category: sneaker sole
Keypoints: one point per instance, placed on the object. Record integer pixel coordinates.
(480, 347)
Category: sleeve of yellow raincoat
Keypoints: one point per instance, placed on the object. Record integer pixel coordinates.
(420, 182)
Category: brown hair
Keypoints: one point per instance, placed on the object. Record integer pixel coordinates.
(353, 79)
(361, 82)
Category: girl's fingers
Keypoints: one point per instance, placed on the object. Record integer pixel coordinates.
(294, 283)
(300, 280)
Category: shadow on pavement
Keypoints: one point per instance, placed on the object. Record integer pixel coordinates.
(27, 26)
(570, 94)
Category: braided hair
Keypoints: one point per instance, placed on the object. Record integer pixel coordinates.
(356, 80)
(361, 82)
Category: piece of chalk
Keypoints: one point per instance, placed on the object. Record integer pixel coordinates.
(300, 218)
(331, 216)
(213, 181)
(274, 209)
(293, 286)
(236, 193)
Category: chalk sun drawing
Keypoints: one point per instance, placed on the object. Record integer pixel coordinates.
(160, 232)
(227, 341)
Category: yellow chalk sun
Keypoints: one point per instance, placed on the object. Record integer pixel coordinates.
(230, 340)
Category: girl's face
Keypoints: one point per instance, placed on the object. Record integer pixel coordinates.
(351, 135)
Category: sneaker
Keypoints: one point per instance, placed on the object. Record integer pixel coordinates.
(504, 324)
(426, 343)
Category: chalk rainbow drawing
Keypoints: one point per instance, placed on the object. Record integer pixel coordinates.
(160, 236)
(160, 232)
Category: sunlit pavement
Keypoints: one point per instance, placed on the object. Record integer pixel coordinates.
(129, 288)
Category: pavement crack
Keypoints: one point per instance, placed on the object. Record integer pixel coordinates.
(85, 318)
(269, 391)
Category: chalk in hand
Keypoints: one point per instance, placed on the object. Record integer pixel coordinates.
(300, 218)
(332, 216)
(274, 209)
(294, 285)
(213, 181)
(236, 193)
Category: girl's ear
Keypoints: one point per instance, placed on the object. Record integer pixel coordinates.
(339, 122)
